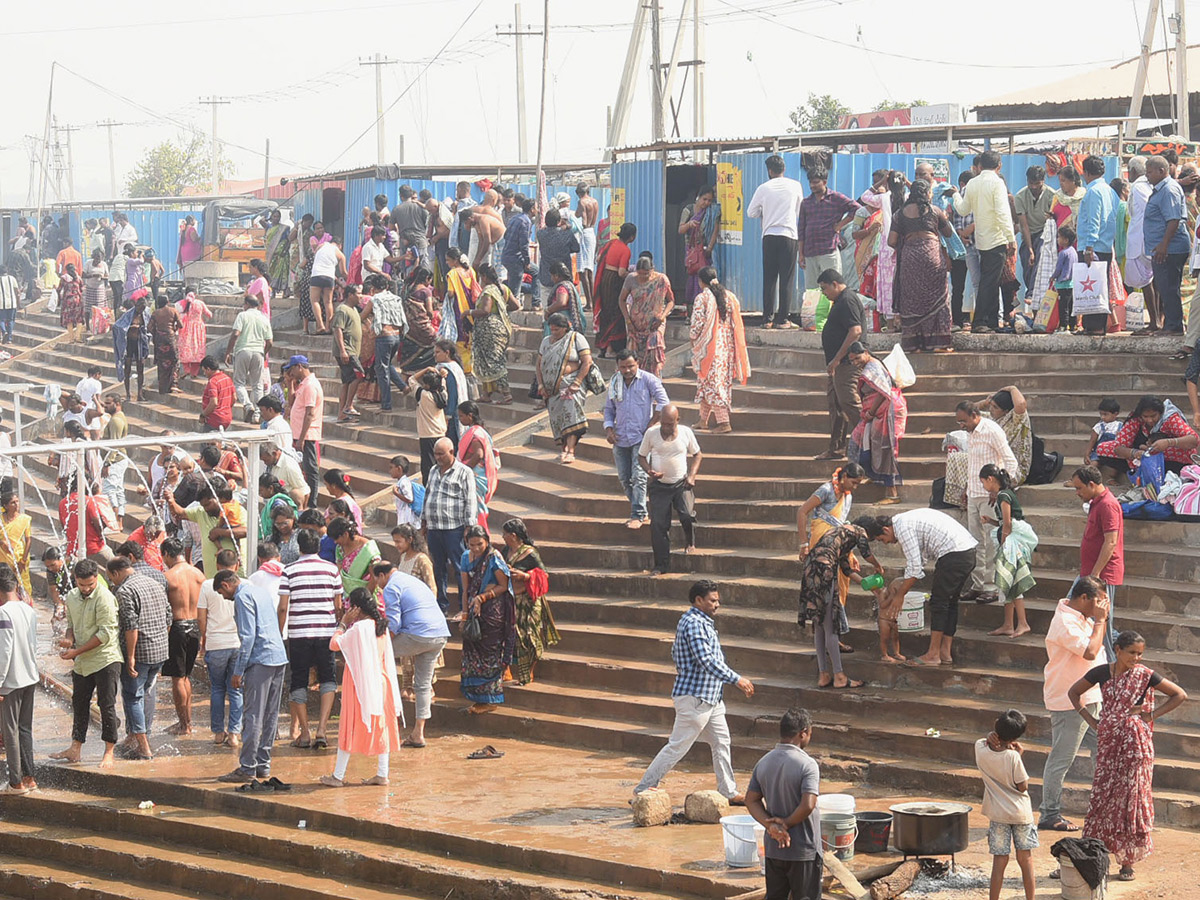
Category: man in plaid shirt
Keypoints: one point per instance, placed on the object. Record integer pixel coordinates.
(701, 676)
(145, 618)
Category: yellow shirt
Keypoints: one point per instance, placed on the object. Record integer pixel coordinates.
(986, 197)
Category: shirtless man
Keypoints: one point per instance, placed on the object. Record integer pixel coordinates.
(488, 223)
(183, 593)
(438, 234)
(588, 212)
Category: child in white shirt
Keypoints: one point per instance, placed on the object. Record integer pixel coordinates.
(1006, 800)
(1105, 430)
(402, 490)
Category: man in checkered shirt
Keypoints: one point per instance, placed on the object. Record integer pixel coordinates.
(145, 618)
(701, 676)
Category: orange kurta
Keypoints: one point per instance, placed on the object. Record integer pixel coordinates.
(382, 735)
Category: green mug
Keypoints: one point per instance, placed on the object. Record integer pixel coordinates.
(873, 582)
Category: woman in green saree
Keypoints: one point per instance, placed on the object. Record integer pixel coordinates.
(530, 584)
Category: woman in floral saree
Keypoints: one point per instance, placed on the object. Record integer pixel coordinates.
(1121, 806)
(278, 256)
(485, 581)
(193, 336)
(875, 442)
(491, 332)
(566, 374)
(530, 584)
(647, 302)
(887, 197)
(718, 350)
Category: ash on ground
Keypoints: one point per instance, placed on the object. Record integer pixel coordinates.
(964, 883)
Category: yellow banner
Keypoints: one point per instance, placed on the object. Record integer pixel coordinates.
(617, 214)
(729, 195)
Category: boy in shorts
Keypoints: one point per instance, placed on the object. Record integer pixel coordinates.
(1006, 800)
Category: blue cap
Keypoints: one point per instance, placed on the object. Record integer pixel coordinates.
(298, 360)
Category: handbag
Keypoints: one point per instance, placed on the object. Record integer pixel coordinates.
(472, 631)
(695, 259)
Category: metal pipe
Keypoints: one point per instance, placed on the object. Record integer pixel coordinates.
(257, 436)
(17, 441)
(81, 497)
(253, 464)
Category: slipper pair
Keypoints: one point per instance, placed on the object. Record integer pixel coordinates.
(254, 786)
(848, 686)
(488, 752)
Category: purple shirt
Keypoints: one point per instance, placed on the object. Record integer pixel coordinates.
(818, 216)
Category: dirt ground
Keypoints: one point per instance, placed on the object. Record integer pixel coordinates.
(559, 798)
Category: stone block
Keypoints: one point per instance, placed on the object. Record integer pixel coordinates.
(652, 807)
(706, 807)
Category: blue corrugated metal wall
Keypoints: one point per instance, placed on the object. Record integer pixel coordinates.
(156, 228)
(645, 195)
(306, 202)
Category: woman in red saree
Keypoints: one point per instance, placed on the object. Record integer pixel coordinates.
(875, 442)
(1121, 807)
(612, 265)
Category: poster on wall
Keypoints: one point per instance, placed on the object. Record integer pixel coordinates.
(616, 213)
(729, 195)
(941, 167)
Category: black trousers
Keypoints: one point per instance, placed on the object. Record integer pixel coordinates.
(958, 286)
(427, 461)
(104, 685)
(662, 499)
(987, 300)
(949, 578)
(310, 467)
(779, 268)
(16, 728)
(794, 879)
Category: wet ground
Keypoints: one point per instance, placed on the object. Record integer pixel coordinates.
(548, 797)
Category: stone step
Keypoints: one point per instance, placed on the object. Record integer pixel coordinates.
(29, 878)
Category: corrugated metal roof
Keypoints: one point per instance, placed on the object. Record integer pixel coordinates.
(1109, 83)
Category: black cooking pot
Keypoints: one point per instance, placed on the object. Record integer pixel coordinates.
(930, 829)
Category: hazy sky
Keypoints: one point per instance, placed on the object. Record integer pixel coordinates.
(292, 72)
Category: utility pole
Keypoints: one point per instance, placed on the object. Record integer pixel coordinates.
(215, 102)
(267, 170)
(67, 129)
(540, 178)
(1139, 81)
(698, 74)
(1179, 26)
(658, 126)
(629, 74)
(517, 32)
(109, 124)
(380, 145)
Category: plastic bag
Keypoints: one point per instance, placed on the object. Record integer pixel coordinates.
(899, 367)
(808, 309)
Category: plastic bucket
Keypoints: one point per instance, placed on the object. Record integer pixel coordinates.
(741, 837)
(836, 803)
(912, 614)
(874, 828)
(838, 833)
(1073, 885)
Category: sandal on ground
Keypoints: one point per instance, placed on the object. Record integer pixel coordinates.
(411, 745)
(1181, 354)
(302, 743)
(320, 743)
(253, 786)
(845, 648)
(828, 454)
(848, 686)
(787, 324)
(1126, 874)
(488, 752)
(330, 781)
(1059, 824)
(276, 785)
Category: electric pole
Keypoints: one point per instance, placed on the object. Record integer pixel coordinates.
(698, 73)
(379, 62)
(1139, 80)
(215, 102)
(540, 182)
(1179, 26)
(67, 129)
(658, 124)
(109, 124)
(516, 32)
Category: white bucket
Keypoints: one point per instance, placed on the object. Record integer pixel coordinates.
(742, 837)
(912, 614)
(1073, 885)
(836, 803)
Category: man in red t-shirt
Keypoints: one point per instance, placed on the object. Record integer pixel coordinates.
(1102, 552)
(217, 399)
(94, 542)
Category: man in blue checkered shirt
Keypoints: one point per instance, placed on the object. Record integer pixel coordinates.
(701, 676)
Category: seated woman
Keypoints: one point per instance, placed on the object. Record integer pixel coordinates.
(1154, 426)
(875, 442)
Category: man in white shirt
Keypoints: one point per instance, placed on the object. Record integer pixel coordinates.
(986, 444)
(89, 387)
(219, 645)
(374, 253)
(986, 197)
(270, 410)
(124, 234)
(10, 295)
(777, 202)
(671, 457)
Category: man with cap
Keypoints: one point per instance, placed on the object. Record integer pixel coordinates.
(306, 415)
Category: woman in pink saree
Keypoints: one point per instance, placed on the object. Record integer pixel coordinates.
(875, 443)
(194, 334)
(887, 196)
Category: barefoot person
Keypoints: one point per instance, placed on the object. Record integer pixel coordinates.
(183, 592)
(371, 710)
(92, 644)
(926, 534)
(18, 681)
(671, 457)
(145, 619)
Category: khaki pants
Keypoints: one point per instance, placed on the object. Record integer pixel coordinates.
(845, 405)
(984, 576)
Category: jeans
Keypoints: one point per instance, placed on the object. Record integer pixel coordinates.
(445, 547)
(964, 284)
(310, 465)
(6, 323)
(220, 673)
(1029, 254)
(1168, 277)
(16, 730)
(1067, 730)
(262, 688)
(386, 346)
(984, 576)
(137, 696)
(987, 298)
(633, 479)
(694, 720)
(103, 684)
(664, 498)
(779, 268)
(424, 652)
(247, 377)
(825, 635)
(949, 578)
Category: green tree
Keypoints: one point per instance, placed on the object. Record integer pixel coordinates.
(819, 113)
(174, 167)
(898, 104)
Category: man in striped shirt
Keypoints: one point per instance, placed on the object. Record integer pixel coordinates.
(310, 595)
(986, 445)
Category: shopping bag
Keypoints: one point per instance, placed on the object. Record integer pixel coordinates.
(899, 368)
(1090, 286)
(1046, 320)
(1135, 311)
(824, 304)
(101, 320)
(808, 309)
